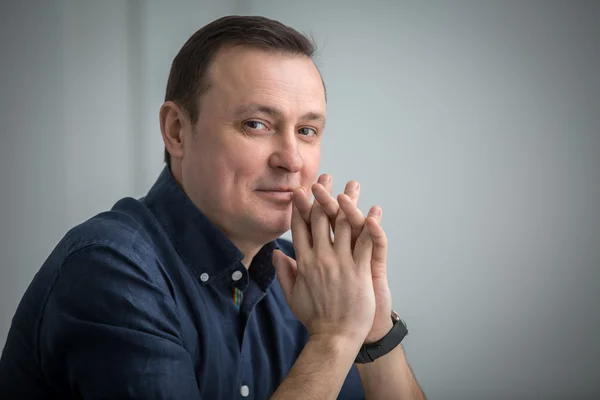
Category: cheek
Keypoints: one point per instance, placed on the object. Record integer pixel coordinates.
(310, 168)
(244, 163)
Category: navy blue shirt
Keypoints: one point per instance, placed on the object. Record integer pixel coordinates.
(151, 301)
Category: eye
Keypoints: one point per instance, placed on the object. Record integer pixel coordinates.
(307, 131)
(256, 125)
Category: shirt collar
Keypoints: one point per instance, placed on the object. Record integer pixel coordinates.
(201, 245)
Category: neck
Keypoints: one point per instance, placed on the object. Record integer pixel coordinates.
(248, 248)
(248, 257)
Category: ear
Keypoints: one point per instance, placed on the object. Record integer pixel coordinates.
(173, 124)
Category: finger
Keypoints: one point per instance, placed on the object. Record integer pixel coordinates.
(303, 205)
(352, 190)
(286, 269)
(363, 248)
(330, 208)
(300, 230)
(376, 213)
(343, 233)
(319, 225)
(355, 216)
(380, 245)
(326, 181)
(328, 202)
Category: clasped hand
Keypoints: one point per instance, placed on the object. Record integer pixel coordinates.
(337, 286)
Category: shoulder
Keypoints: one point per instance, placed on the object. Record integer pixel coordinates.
(113, 249)
(109, 270)
(124, 229)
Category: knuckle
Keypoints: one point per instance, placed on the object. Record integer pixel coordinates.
(380, 237)
(317, 210)
(341, 220)
(383, 241)
(379, 259)
(356, 221)
(341, 215)
(329, 206)
(362, 241)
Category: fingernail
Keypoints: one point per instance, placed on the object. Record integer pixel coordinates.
(354, 186)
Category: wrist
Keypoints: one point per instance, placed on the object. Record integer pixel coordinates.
(383, 330)
(336, 345)
(370, 352)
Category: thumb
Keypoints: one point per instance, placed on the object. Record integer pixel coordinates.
(286, 269)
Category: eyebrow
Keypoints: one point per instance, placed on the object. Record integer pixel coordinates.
(262, 109)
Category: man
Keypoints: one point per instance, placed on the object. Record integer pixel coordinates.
(175, 296)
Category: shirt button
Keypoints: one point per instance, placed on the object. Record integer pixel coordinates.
(204, 277)
(244, 391)
(237, 275)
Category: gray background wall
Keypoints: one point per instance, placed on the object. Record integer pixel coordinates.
(475, 125)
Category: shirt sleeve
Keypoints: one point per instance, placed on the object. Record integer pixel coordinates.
(109, 330)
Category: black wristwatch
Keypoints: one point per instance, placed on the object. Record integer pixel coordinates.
(372, 351)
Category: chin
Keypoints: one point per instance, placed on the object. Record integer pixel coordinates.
(268, 223)
(274, 228)
(277, 230)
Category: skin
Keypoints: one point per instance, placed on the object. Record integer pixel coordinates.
(324, 362)
(349, 206)
(249, 164)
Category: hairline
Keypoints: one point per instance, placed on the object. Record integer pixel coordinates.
(205, 83)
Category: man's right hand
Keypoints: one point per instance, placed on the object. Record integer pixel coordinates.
(329, 286)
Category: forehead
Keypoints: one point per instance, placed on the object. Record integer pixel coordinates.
(245, 75)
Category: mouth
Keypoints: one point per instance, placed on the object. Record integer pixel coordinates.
(279, 195)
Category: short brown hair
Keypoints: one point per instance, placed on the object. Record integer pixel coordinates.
(187, 78)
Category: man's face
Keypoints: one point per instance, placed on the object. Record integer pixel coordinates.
(257, 138)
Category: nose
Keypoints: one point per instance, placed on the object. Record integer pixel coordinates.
(286, 154)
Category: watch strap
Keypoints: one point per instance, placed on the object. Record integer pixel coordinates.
(372, 351)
